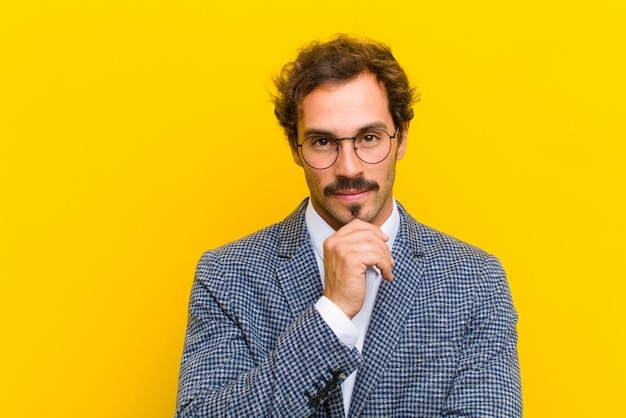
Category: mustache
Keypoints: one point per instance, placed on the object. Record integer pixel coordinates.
(342, 184)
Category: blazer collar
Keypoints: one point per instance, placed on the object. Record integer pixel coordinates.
(293, 234)
(410, 235)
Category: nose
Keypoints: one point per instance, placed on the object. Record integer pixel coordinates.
(348, 164)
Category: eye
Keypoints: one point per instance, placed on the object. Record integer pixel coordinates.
(369, 138)
(321, 143)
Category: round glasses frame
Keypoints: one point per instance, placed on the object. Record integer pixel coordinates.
(357, 138)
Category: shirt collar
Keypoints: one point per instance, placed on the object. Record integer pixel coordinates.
(319, 230)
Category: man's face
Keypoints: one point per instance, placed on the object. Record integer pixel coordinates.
(350, 188)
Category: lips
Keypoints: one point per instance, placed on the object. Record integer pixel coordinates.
(351, 195)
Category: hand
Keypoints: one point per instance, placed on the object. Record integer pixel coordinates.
(347, 255)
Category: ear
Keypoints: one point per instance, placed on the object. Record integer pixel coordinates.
(402, 141)
(296, 154)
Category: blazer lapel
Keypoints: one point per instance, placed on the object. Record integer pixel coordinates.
(298, 274)
(393, 303)
(297, 268)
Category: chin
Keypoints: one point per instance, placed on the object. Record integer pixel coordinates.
(358, 212)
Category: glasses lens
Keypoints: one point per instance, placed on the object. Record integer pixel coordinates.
(319, 152)
(372, 146)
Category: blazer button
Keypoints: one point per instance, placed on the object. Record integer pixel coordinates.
(338, 376)
(322, 393)
(331, 385)
(314, 402)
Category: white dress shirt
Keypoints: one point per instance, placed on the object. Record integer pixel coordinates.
(350, 332)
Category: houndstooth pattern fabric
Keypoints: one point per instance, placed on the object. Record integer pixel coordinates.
(441, 342)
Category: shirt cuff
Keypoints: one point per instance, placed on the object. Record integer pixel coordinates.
(338, 321)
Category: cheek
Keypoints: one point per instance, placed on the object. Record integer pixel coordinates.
(386, 177)
(315, 181)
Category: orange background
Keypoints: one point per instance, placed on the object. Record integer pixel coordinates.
(134, 135)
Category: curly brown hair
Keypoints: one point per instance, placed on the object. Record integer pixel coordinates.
(337, 61)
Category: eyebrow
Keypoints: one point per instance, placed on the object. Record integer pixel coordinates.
(313, 131)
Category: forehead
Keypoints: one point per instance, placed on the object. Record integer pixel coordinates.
(347, 107)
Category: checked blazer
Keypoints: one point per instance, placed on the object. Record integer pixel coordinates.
(442, 339)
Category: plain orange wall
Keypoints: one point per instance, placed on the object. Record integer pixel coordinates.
(134, 135)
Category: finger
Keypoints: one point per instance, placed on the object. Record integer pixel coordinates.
(380, 258)
(357, 237)
(358, 246)
(386, 271)
(357, 225)
(386, 265)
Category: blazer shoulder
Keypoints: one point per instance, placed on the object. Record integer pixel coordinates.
(427, 240)
(253, 250)
(258, 251)
(436, 241)
(445, 254)
(454, 263)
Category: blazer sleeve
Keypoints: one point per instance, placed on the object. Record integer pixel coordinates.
(220, 376)
(487, 383)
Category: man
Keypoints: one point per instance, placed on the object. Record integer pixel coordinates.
(349, 307)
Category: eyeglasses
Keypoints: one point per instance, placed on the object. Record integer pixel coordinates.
(371, 145)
